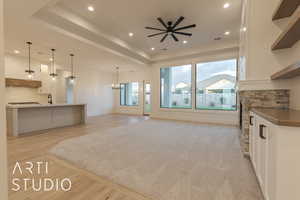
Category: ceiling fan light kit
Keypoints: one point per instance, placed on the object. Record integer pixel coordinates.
(171, 29)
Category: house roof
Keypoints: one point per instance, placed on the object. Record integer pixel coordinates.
(222, 81)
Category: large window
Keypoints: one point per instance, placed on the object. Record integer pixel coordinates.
(215, 85)
(129, 94)
(176, 87)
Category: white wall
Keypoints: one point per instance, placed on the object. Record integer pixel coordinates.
(15, 67)
(260, 62)
(3, 141)
(153, 74)
(94, 88)
(20, 94)
(61, 86)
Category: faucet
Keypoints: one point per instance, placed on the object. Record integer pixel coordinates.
(50, 99)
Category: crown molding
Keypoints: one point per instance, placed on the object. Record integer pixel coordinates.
(266, 84)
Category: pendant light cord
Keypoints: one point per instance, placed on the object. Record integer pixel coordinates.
(52, 61)
(117, 75)
(72, 65)
(29, 57)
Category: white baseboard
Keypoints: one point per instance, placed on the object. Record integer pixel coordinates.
(225, 118)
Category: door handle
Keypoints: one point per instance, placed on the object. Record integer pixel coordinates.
(261, 131)
(250, 120)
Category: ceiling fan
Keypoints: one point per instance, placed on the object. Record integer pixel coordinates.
(171, 29)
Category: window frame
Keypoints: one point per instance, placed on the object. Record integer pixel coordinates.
(195, 89)
(125, 105)
(160, 84)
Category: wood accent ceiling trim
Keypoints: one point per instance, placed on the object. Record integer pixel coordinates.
(12, 82)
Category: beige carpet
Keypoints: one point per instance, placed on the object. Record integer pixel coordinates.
(167, 160)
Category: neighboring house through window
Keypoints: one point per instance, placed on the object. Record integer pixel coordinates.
(215, 85)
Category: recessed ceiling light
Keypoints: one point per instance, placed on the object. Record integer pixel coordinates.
(184, 42)
(244, 29)
(152, 48)
(130, 34)
(91, 8)
(16, 51)
(227, 33)
(226, 5)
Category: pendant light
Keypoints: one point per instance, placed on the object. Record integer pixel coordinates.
(29, 71)
(72, 77)
(52, 71)
(116, 86)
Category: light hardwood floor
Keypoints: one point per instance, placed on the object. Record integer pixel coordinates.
(85, 185)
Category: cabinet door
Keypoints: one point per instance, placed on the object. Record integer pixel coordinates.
(271, 162)
(256, 145)
(252, 149)
(263, 129)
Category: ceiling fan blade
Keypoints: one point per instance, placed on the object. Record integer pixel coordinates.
(157, 29)
(174, 37)
(162, 22)
(181, 33)
(178, 21)
(156, 34)
(185, 27)
(163, 39)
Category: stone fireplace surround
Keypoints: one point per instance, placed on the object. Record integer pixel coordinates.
(249, 99)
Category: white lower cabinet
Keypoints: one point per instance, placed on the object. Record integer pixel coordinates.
(275, 155)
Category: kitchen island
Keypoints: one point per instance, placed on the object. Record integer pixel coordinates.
(22, 119)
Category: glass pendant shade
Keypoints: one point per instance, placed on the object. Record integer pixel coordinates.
(72, 77)
(52, 72)
(29, 71)
(116, 85)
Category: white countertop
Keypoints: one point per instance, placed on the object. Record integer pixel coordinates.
(42, 105)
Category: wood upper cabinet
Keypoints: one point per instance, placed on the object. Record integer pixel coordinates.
(275, 155)
(252, 139)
